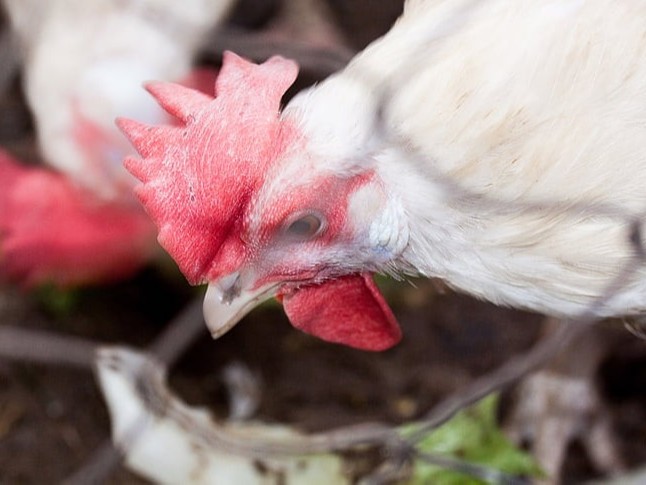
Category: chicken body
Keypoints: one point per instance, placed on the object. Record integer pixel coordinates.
(497, 145)
(508, 136)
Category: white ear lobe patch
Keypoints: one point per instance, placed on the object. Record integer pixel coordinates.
(371, 207)
(389, 230)
(365, 204)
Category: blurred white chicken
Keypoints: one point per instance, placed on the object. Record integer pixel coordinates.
(84, 63)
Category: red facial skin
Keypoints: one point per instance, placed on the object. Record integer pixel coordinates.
(328, 197)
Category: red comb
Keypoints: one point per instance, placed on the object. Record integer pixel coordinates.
(197, 177)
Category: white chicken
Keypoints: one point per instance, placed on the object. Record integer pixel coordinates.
(496, 145)
(84, 63)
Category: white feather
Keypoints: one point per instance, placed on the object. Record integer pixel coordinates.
(169, 442)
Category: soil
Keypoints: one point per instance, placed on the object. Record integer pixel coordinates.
(52, 418)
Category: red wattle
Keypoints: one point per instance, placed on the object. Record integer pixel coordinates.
(348, 310)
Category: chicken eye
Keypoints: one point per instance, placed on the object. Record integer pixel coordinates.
(305, 227)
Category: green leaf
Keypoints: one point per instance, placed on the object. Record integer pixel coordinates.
(57, 301)
(472, 435)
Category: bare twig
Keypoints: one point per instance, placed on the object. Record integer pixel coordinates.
(176, 338)
(519, 367)
(484, 473)
(40, 347)
(37, 346)
(303, 30)
(47, 348)
(319, 62)
(505, 375)
(180, 333)
(144, 377)
(98, 467)
(9, 57)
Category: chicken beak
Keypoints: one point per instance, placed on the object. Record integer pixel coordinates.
(226, 303)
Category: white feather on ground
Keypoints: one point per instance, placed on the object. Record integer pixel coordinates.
(171, 443)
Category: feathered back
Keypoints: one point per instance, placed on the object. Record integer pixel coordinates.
(198, 176)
